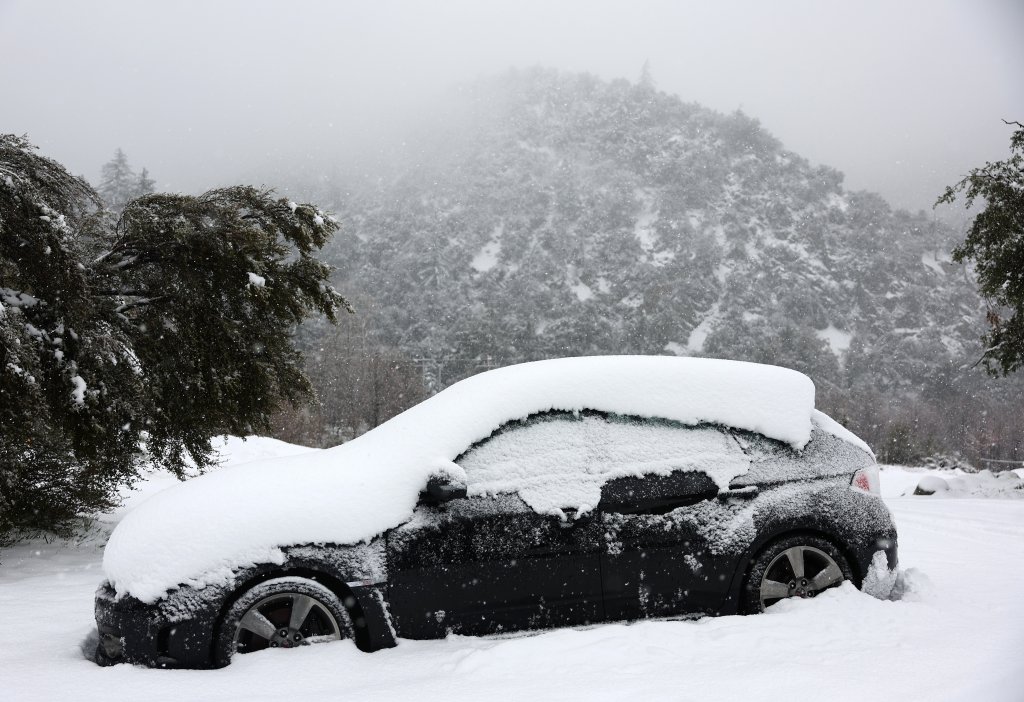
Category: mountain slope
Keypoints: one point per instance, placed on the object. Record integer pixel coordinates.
(557, 214)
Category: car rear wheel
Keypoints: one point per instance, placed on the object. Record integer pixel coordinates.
(796, 566)
(284, 613)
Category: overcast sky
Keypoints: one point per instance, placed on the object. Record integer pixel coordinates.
(903, 97)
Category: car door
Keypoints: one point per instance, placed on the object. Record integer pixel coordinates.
(664, 531)
(490, 563)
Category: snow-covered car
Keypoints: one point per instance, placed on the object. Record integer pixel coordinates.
(555, 493)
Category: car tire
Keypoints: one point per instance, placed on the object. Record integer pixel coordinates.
(283, 613)
(794, 566)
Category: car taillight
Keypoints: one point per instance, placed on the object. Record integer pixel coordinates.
(866, 480)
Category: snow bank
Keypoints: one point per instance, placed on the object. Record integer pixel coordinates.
(929, 483)
(234, 450)
(983, 484)
(199, 532)
(959, 639)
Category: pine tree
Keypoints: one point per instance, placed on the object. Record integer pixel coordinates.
(62, 446)
(145, 185)
(141, 343)
(118, 183)
(646, 78)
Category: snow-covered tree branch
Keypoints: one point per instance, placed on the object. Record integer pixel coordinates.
(140, 339)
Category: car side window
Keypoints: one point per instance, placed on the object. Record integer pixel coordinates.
(541, 449)
(656, 494)
(559, 460)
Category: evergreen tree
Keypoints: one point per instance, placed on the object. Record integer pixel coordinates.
(118, 183)
(646, 78)
(995, 242)
(140, 342)
(55, 455)
(145, 186)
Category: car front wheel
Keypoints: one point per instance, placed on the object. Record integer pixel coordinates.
(796, 566)
(284, 613)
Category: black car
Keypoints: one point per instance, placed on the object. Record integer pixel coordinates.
(682, 519)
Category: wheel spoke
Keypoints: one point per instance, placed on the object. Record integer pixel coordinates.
(795, 556)
(827, 577)
(258, 624)
(301, 606)
(773, 590)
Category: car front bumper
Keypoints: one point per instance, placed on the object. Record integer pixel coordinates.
(154, 635)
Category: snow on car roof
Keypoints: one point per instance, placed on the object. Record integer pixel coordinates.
(197, 533)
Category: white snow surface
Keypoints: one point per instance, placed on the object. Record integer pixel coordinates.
(950, 639)
(202, 530)
(487, 257)
(837, 339)
(827, 424)
(78, 391)
(699, 334)
(902, 481)
(644, 227)
(930, 260)
(582, 291)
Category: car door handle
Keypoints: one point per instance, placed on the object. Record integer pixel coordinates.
(743, 493)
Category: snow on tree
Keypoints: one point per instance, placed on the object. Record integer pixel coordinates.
(646, 78)
(995, 243)
(118, 182)
(145, 184)
(141, 341)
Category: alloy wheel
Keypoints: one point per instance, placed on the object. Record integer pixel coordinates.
(285, 620)
(799, 571)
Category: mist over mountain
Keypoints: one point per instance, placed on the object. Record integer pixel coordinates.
(550, 214)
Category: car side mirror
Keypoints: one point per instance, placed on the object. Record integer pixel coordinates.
(440, 490)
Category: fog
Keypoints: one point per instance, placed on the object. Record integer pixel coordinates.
(902, 97)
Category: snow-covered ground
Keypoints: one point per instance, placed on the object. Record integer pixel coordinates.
(958, 635)
(901, 481)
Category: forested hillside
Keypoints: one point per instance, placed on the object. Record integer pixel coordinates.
(553, 214)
